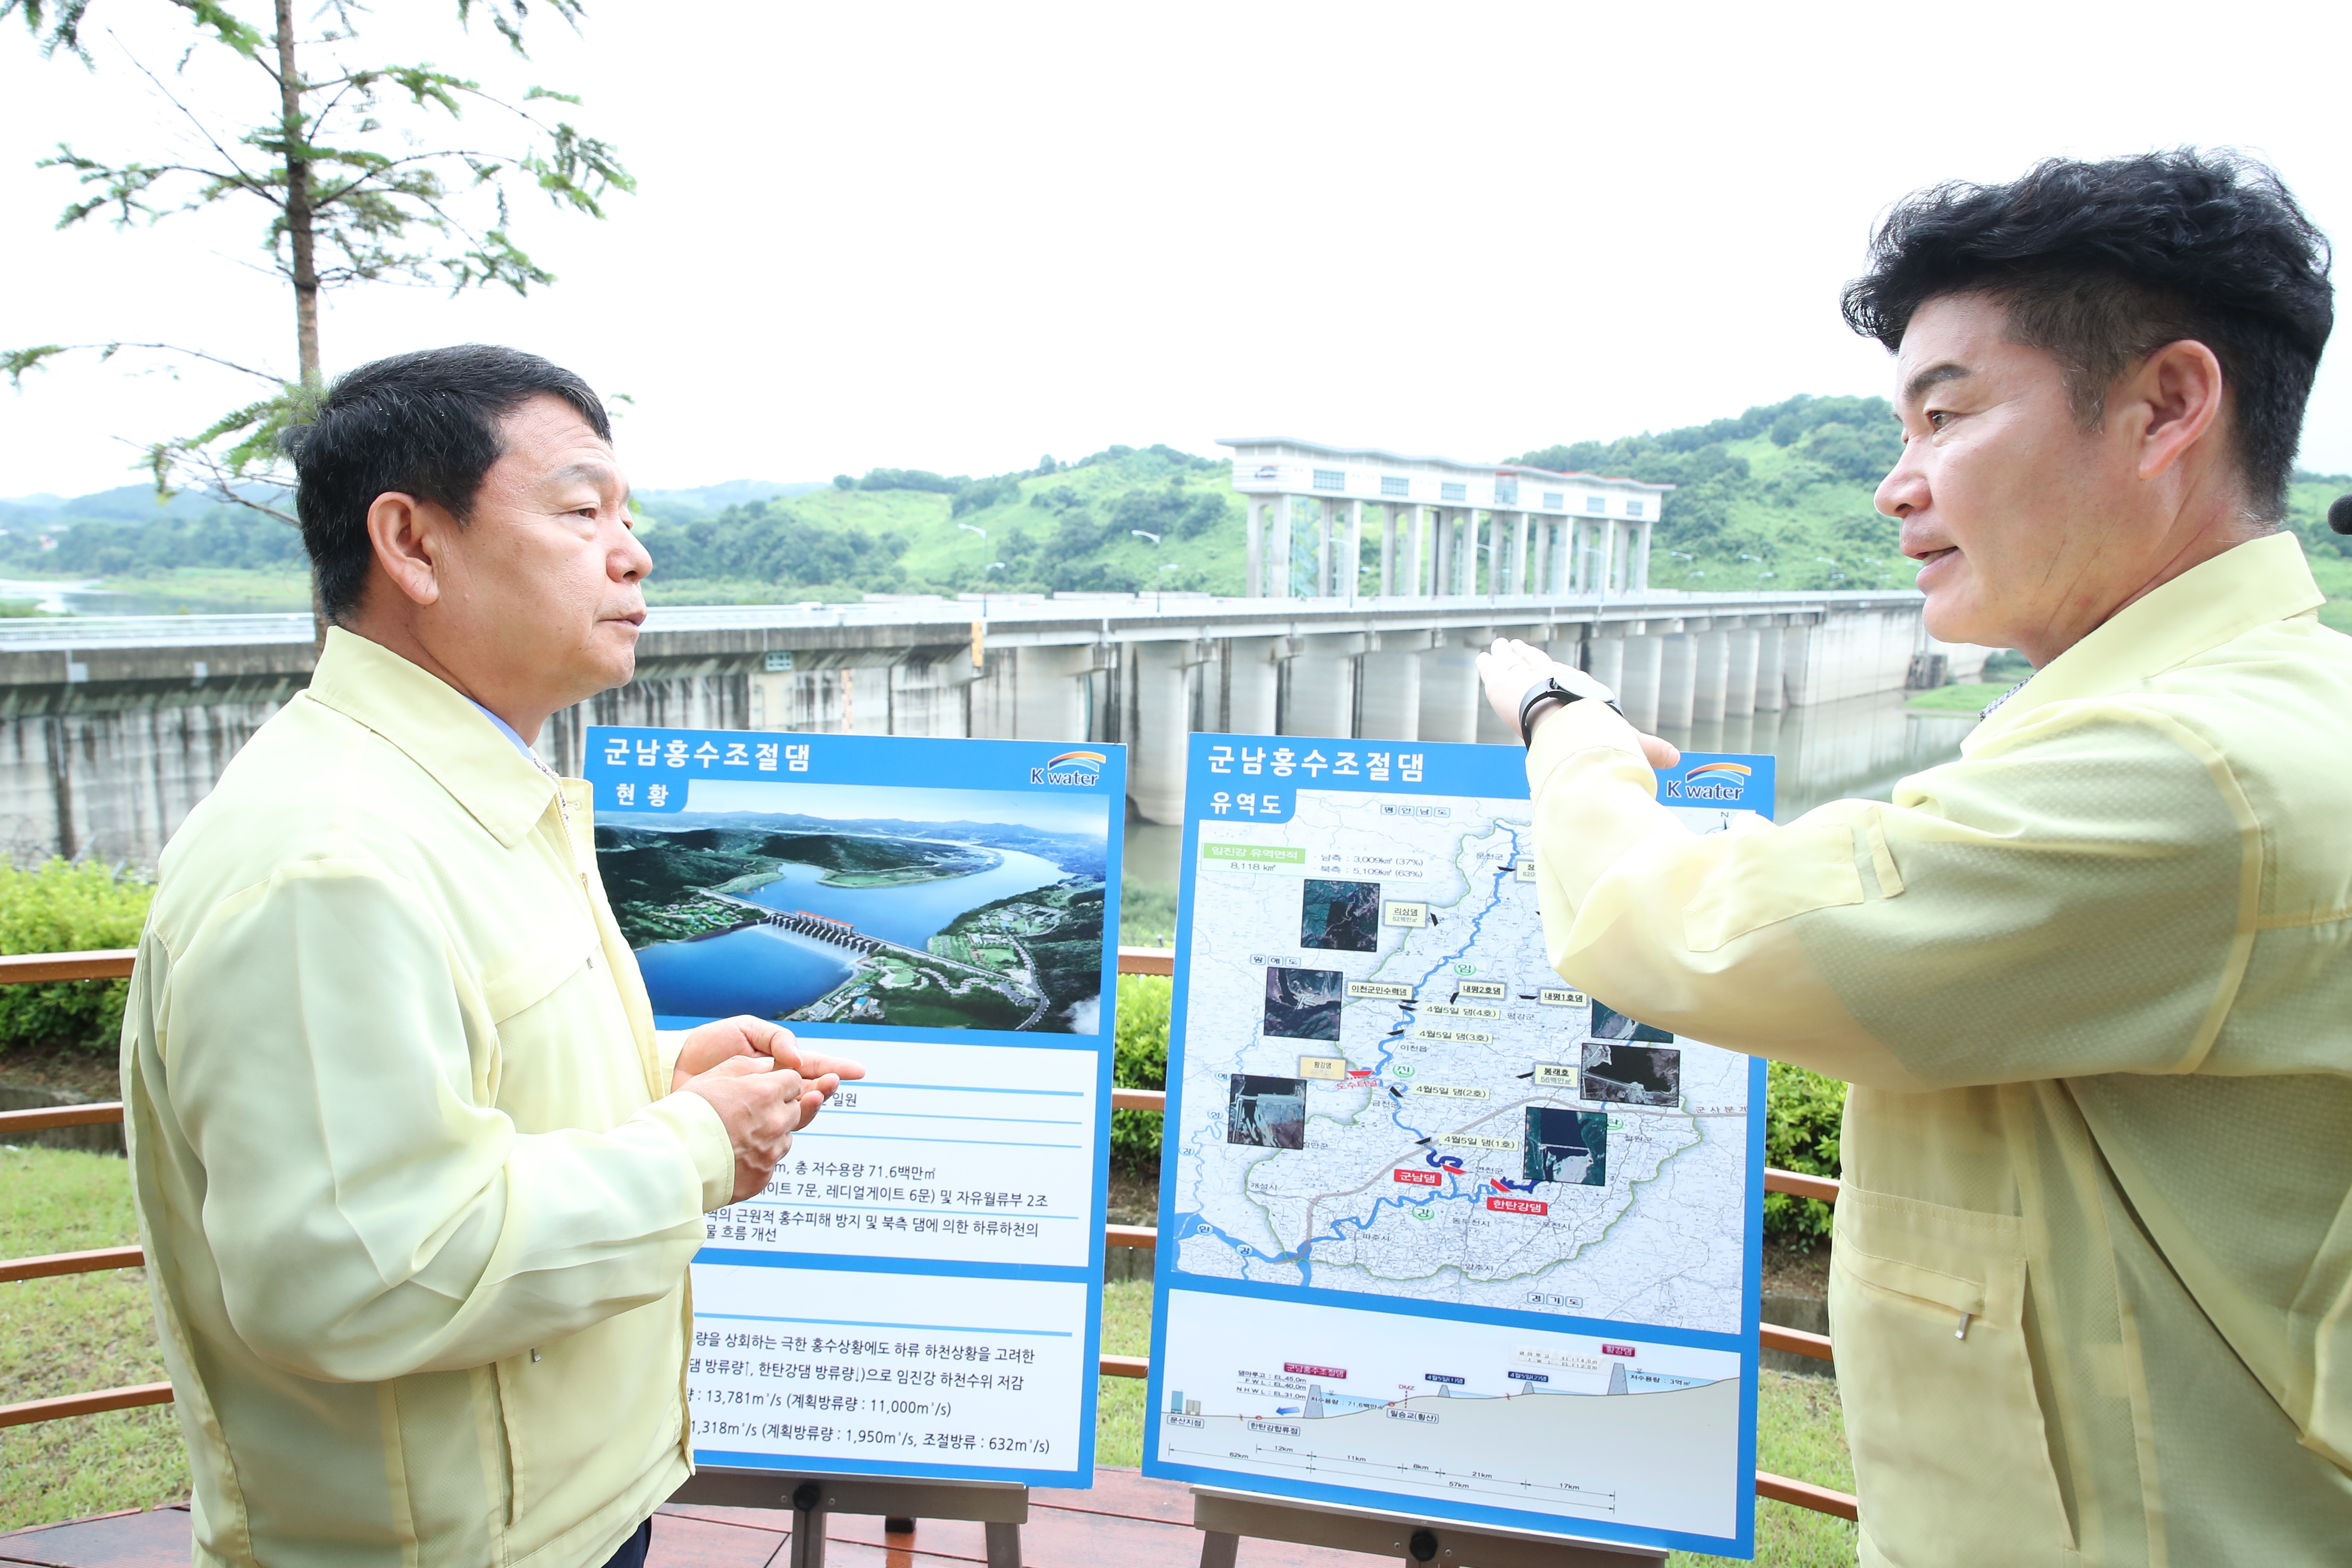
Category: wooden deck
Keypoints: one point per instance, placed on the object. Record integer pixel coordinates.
(1127, 1521)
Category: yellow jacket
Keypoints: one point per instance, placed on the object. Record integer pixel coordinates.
(416, 1203)
(2092, 1288)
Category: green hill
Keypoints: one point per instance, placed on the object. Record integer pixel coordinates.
(1780, 497)
(1073, 528)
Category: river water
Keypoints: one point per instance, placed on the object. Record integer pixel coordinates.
(1854, 749)
(60, 596)
(767, 972)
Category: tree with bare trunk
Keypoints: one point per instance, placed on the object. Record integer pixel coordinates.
(360, 174)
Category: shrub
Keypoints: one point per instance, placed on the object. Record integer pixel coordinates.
(1140, 1060)
(911, 480)
(1802, 1113)
(981, 494)
(62, 907)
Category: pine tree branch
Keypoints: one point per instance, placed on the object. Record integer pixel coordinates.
(201, 129)
(15, 362)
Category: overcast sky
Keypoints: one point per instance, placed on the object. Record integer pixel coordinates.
(958, 237)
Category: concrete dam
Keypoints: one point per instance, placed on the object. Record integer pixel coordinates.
(113, 728)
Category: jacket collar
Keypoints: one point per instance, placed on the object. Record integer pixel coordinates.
(438, 728)
(2251, 585)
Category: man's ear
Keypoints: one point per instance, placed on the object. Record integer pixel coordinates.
(2171, 401)
(407, 535)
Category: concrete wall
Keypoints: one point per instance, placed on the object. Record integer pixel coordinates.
(103, 751)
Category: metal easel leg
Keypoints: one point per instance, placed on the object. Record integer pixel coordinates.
(1218, 1548)
(1004, 1545)
(808, 1526)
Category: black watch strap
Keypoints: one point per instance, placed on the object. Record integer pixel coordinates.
(1552, 691)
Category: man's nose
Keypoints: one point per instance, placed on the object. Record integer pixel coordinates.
(1904, 490)
(632, 560)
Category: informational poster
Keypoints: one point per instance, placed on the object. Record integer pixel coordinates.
(1439, 1234)
(918, 1290)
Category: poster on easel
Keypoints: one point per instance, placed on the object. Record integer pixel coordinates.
(1439, 1234)
(917, 1291)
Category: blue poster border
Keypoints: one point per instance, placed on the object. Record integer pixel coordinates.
(1732, 781)
(903, 761)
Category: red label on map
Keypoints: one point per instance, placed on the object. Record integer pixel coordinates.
(1304, 1370)
(1518, 1206)
(1626, 1351)
(1417, 1178)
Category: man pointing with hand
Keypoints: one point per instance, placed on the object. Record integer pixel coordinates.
(417, 1179)
(2092, 982)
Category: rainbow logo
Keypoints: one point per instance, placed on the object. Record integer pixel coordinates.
(1726, 783)
(1076, 769)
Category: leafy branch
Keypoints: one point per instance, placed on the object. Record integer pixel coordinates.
(354, 179)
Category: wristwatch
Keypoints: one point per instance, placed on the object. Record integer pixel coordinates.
(1550, 691)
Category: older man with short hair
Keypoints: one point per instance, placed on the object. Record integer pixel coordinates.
(2091, 1284)
(418, 1180)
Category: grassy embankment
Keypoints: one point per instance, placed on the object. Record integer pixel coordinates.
(1966, 697)
(944, 556)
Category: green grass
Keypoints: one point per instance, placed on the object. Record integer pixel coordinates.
(661, 590)
(1800, 1434)
(1118, 1407)
(217, 590)
(945, 556)
(1964, 698)
(2335, 575)
(74, 1334)
(97, 1330)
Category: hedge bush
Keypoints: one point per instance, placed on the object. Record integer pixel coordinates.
(65, 908)
(1802, 1111)
(1140, 1060)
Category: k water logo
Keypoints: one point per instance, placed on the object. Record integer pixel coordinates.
(1711, 780)
(1079, 768)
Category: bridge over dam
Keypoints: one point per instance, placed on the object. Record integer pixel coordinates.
(112, 728)
(818, 927)
(842, 934)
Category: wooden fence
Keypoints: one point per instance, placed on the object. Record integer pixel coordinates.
(114, 965)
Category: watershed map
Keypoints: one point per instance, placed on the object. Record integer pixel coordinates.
(1387, 1090)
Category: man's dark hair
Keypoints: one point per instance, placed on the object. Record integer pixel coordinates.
(425, 424)
(2102, 264)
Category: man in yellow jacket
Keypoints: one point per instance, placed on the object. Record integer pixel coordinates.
(2091, 1283)
(418, 1180)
